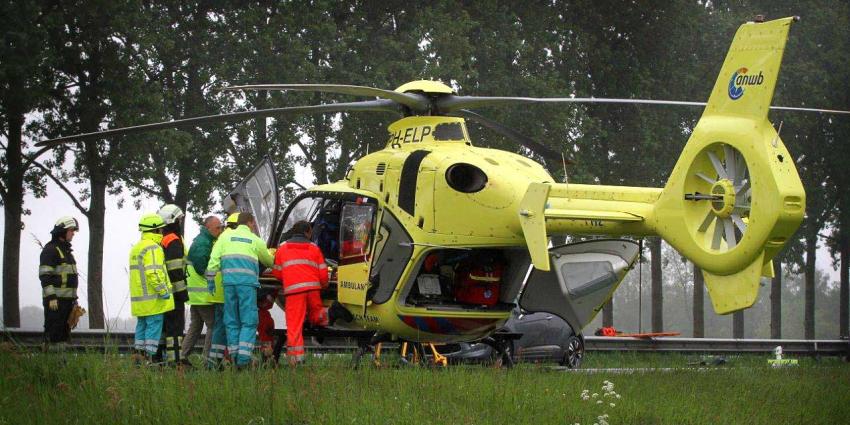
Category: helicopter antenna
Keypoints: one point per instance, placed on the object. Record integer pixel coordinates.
(776, 138)
(640, 286)
(564, 163)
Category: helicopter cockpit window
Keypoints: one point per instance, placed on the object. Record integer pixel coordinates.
(324, 215)
(305, 209)
(448, 131)
(356, 232)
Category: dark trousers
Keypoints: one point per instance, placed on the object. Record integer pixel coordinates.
(172, 330)
(56, 327)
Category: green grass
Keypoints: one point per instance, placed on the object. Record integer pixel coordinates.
(94, 388)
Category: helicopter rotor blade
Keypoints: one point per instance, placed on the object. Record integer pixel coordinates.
(452, 103)
(415, 102)
(381, 105)
(511, 134)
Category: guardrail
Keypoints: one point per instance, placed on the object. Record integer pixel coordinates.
(123, 341)
(819, 347)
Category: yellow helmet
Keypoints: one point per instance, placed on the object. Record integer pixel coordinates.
(150, 221)
(233, 218)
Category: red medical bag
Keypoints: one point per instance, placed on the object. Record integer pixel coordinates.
(478, 284)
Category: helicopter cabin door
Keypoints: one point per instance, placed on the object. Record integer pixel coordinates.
(257, 194)
(582, 278)
(355, 246)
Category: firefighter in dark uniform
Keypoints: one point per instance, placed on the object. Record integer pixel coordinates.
(175, 263)
(58, 274)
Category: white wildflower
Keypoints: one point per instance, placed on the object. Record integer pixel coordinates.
(599, 402)
(612, 404)
(618, 396)
(595, 395)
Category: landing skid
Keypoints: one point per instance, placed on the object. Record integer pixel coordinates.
(369, 342)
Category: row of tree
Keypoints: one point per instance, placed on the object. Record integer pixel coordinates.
(80, 66)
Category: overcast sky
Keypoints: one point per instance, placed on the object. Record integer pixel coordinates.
(121, 234)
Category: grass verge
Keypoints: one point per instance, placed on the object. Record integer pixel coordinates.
(97, 388)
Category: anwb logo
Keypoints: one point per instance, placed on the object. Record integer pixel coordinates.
(740, 79)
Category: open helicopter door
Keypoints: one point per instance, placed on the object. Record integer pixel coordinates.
(257, 194)
(582, 278)
(356, 243)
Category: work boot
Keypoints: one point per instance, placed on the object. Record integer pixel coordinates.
(337, 311)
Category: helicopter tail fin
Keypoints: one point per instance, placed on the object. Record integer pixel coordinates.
(734, 196)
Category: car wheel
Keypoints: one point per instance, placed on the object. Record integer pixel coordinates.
(573, 353)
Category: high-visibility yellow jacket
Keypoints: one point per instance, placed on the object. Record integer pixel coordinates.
(199, 292)
(149, 278)
(238, 253)
(197, 260)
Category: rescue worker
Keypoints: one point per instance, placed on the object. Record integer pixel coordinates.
(57, 272)
(300, 265)
(175, 262)
(239, 255)
(150, 289)
(202, 311)
(215, 289)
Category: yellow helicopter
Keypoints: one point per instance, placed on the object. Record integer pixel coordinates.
(433, 239)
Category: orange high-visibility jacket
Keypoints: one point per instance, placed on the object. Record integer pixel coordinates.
(300, 265)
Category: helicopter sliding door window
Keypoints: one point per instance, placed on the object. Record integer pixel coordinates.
(356, 229)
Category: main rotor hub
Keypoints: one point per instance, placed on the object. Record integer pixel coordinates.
(425, 86)
(724, 206)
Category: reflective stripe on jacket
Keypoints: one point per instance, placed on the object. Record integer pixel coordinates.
(300, 265)
(57, 271)
(238, 254)
(149, 278)
(175, 260)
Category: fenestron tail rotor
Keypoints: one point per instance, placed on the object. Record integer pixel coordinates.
(723, 186)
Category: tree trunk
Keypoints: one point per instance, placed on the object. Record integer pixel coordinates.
(776, 300)
(811, 257)
(97, 211)
(844, 308)
(13, 209)
(699, 302)
(738, 324)
(608, 313)
(657, 290)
